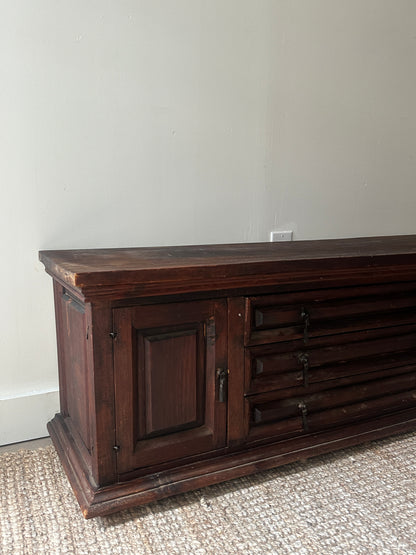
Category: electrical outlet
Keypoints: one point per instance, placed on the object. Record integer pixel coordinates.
(281, 236)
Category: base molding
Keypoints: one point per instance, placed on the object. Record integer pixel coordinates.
(99, 501)
(24, 417)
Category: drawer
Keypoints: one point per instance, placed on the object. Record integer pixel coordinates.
(307, 314)
(294, 364)
(339, 406)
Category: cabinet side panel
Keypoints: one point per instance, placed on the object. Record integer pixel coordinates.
(102, 396)
(71, 332)
(58, 292)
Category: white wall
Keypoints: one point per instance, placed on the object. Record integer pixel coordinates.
(189, 121)
(342, 117)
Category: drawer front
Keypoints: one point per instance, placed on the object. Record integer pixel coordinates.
(307, 314)
(338, 406)
(293, 364)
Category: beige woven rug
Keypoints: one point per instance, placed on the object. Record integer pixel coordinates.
(361, 500)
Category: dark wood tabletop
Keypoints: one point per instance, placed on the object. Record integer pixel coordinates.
(92, 267)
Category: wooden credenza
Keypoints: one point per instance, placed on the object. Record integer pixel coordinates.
(181, 367)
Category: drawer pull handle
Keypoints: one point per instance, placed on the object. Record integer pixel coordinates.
(304, 314)
(303, 358)
(222, 375)
(304, 413)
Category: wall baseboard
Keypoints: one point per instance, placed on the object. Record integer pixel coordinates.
(25, 417)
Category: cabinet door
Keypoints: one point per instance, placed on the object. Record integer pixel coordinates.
(169, 400)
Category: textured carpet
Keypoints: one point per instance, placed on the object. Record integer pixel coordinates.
(360, 500)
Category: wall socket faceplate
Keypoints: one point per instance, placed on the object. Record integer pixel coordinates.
(281, 236)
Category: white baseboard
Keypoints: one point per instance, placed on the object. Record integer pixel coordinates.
(25, 417)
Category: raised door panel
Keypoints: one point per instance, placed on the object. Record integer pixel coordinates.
(170, 374)
(168, 404)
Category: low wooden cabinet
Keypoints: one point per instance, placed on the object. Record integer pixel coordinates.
(180, 367)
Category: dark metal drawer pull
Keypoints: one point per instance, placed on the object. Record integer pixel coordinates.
(222, 375)
(303, 358)
(304, 413)
(304, 314)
